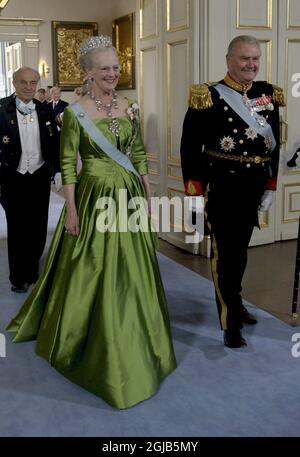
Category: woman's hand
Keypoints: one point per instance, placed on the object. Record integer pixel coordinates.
(72, 222)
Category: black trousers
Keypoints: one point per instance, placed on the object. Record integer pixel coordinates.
(25, 199)
(232, 212)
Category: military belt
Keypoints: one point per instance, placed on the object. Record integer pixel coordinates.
(240, 158)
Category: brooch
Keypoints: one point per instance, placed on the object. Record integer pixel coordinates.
(132, 111)
(227, 143)
(114, 127)
(268, 142)
(5, 139)
(250, 133)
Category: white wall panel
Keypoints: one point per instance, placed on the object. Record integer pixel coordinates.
(254, 14)
(288, 58)
(291, 202)
(293, 14)
(220, 34)
(292, 66)
(149, 82)
(265, 70)
(177, 15)
(174, 172)
(149, 104)
(178, 85)
(148, 18)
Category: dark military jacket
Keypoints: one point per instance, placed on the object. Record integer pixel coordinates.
(215, 138)
(10, 143)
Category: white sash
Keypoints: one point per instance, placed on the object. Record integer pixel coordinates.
(235, 101)
(100, 139)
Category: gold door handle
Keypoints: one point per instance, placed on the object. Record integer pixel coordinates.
(283, 131)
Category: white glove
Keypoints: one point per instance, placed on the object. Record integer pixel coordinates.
(58, 181)
(266, 200)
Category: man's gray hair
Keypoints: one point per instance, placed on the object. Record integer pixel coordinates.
(20, 70)
(247, 39)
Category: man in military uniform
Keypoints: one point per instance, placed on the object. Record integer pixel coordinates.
(230, 154)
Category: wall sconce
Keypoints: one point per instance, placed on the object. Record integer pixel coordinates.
(3, 4)
(44, 69)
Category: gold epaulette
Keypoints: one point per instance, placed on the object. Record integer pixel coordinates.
(200, 96)
(278, 95)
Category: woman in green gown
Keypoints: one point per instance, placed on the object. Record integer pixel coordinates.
(98, 312)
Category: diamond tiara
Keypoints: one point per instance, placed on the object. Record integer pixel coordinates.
(95, 42)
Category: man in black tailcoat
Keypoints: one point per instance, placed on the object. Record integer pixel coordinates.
(27, 148)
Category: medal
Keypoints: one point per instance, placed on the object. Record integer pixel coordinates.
(25, 118)
(5, 139)
(255, 105)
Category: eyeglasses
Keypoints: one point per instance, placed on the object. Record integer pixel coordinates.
(115, 69)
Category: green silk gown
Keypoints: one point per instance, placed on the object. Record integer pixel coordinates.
(98, 312)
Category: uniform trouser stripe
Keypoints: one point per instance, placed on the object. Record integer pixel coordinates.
(214, 269)
(230, 236)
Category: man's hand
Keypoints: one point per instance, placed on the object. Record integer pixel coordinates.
(266, 200)
(58, 181)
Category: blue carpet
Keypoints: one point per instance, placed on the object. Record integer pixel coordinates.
(215, 391)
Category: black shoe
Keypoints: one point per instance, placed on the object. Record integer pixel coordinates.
(248, 318)
(234, 339)
(19, 288)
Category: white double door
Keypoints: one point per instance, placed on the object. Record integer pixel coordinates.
(277, 25)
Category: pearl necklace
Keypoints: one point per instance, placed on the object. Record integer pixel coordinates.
(107, 107)
(113, 126)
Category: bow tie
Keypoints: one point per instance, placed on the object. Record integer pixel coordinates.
(25, 108)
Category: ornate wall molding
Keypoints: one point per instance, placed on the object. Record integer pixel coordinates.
(20, 21)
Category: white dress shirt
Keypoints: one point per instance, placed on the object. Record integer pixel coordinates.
(31, 158)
